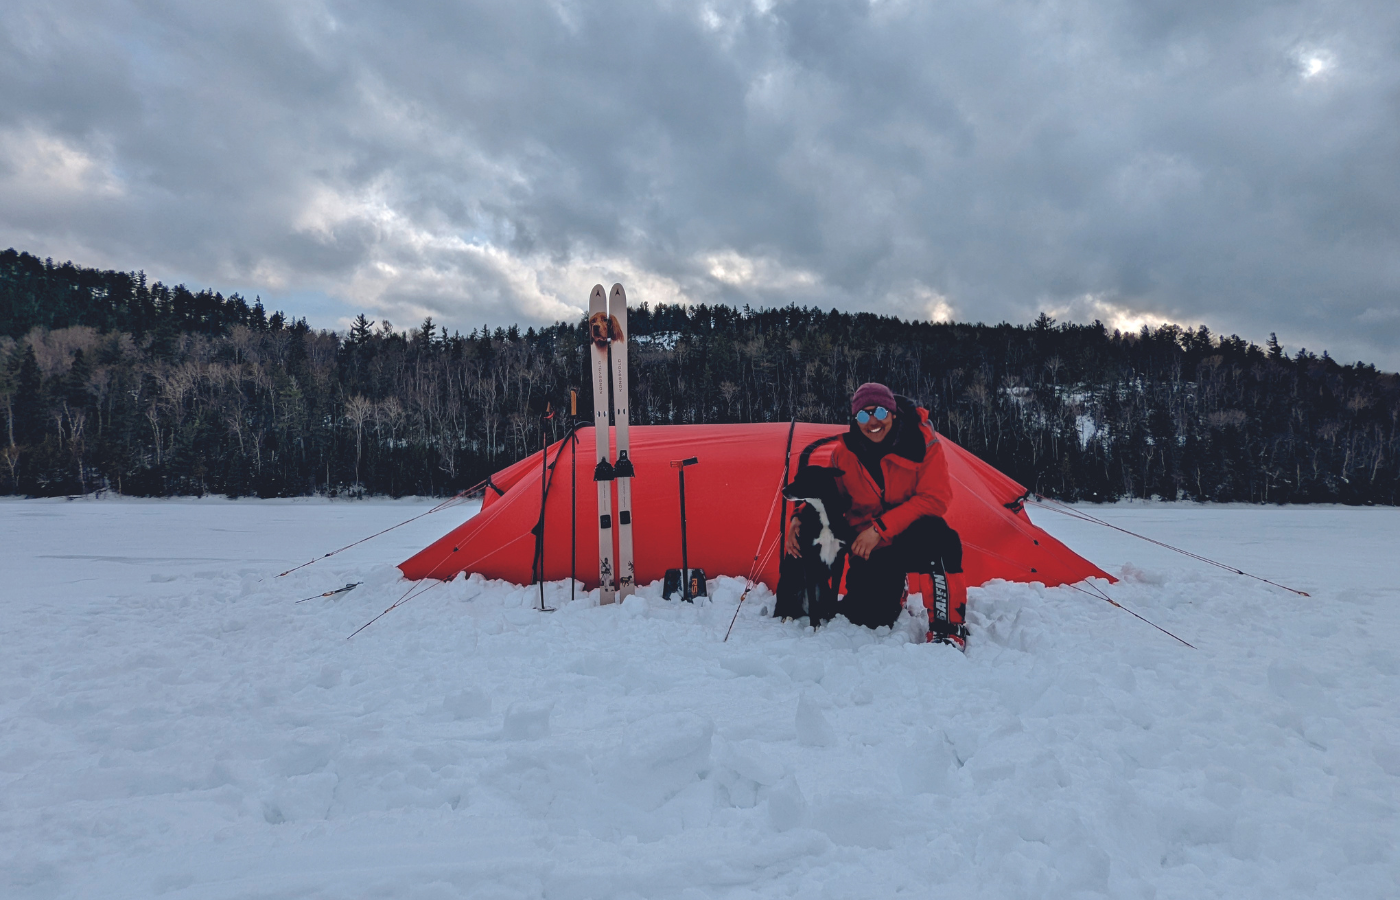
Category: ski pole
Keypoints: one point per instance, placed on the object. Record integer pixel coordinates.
(787, 471)
(544, 496)
(573, 494)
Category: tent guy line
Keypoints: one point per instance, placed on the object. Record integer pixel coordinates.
(399, 602)
(446, 504)
(1094, 590)
(760, 563)
(1064, 510)
(416, 584)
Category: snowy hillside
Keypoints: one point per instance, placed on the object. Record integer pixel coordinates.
(173, 723)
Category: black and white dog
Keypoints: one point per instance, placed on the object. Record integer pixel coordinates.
(825, 537)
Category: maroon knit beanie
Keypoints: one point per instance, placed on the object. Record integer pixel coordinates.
(872, 392)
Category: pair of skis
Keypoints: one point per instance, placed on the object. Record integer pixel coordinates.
(607, 332)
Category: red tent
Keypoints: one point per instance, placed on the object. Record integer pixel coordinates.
(732, 512)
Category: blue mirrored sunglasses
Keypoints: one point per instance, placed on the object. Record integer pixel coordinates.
(881, 414)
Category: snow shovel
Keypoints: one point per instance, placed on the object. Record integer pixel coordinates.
(692, 583)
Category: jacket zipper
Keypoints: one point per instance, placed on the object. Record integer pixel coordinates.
(866, 472)
(884, 502)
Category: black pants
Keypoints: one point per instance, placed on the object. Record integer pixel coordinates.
(875, 586)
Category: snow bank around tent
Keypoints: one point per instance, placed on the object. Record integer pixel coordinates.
(173, 723)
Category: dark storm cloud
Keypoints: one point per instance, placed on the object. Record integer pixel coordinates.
(1228, 164)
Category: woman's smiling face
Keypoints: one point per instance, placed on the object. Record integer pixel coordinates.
(873, 428)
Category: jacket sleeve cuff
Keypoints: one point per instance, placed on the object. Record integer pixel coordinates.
(894, 521)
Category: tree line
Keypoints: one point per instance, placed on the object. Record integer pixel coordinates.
(110, 383)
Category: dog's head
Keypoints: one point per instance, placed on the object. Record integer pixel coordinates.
(814, 483)
(603, 328)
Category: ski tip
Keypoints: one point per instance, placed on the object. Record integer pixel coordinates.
(597, 293)
(618, 294)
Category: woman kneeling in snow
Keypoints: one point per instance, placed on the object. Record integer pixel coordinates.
(895, 476)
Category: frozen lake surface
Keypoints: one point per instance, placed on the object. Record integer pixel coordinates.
(173, 723)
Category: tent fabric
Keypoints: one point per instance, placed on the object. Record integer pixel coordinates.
(732, 512)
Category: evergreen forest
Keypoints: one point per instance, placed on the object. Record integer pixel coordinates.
(108, 383)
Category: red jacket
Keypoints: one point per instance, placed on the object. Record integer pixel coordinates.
(916, 476)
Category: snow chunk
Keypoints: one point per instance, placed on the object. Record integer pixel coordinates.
(1387, 757)
(813, 730)
(661, 755)
(748, 759)
(470, 704)
(926, 765)
(858, 820)
(787, 808)
(527, 721)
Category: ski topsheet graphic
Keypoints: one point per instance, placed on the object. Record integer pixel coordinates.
(622, 469)
(601, 328)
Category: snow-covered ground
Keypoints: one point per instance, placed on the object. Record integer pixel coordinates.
(174, 723)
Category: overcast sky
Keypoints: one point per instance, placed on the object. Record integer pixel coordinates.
(1228, 162)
